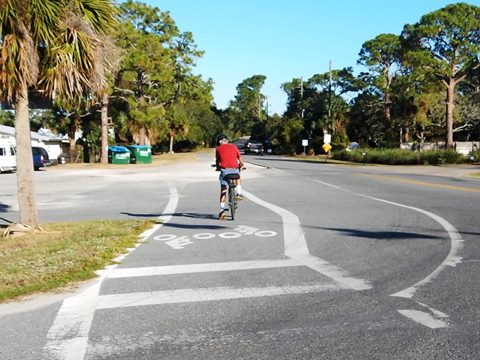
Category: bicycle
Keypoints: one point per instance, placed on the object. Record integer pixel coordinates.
(232, 193)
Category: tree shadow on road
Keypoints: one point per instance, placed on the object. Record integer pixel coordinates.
(384, 235)
(201, 225)
(188, 215)
(194, 226)
(178, 225)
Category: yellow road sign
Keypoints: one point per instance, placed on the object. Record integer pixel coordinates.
(326, 147)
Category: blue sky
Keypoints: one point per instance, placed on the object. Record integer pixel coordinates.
(285, 39)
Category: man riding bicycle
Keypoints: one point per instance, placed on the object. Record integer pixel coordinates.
(228, 161)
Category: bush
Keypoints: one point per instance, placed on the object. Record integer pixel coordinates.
(400, 157)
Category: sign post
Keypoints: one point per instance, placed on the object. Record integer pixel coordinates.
(327, 139)
(305, 144)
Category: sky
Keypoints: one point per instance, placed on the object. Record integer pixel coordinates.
(285, 39)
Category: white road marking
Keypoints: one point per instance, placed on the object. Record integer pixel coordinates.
(332, 271)
(206, 294)
(437, 313)
(68, 336)
(166, 215)
(179, 242)
(292, 232)
(75, 316)
(201, 268)
(452, 259)
(327, 184)
(296, 248)
(424, 318)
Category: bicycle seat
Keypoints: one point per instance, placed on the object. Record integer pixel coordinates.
(232, 176)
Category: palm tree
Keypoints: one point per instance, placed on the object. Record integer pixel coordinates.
(51, 46)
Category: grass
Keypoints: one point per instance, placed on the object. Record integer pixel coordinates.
(63, 254)
(157, 160)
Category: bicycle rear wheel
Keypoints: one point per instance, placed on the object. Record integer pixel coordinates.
(232, 201)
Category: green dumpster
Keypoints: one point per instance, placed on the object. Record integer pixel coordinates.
(140, 154)
(118, 155)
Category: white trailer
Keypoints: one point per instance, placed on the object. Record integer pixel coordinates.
(8, 155)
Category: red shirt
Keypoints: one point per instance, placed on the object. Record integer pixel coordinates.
(227, 156)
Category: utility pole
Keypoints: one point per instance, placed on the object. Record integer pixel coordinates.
(301, 97)
(330, 122)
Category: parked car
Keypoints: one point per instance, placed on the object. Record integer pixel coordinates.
(254, 148)
(240, 143)
(63, 158)
(40, 157)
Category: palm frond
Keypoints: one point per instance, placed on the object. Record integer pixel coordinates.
(18, 62)
(73, 62)
(99, 14)
(45, 15)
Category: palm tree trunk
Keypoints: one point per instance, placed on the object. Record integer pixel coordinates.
(27, 203)
(142, 136)
(104, 135)
(72, 149)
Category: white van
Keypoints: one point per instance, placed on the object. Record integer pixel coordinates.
(8, 157)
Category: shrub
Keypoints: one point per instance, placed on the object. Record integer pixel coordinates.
(400, 157)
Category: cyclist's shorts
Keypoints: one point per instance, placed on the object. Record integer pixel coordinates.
(224, 172)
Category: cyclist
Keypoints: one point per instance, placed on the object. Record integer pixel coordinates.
(228, 161)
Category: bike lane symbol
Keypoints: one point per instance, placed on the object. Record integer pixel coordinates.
(179, 242)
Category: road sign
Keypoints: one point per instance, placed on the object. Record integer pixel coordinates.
(326, 147)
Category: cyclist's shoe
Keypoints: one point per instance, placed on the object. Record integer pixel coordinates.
(221, 215)
(239, 197)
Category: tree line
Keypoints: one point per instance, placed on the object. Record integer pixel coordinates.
(124, 74)
(420, 85)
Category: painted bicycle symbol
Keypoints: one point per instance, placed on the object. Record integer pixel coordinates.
(179, 242)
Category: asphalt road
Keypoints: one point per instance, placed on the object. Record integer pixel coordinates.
(322, 261)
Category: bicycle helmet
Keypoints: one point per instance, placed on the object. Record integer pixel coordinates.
(221, 137)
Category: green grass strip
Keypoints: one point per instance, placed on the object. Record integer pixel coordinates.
(62, 254)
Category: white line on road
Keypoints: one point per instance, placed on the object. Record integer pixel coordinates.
(68, 336)
(206, 294)
(327, 184)
(333, 272)
(452, 259)
(201, 268)
(456, 241)
(424, 318)
(166, 215)
(295, 243)
(296, 248)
